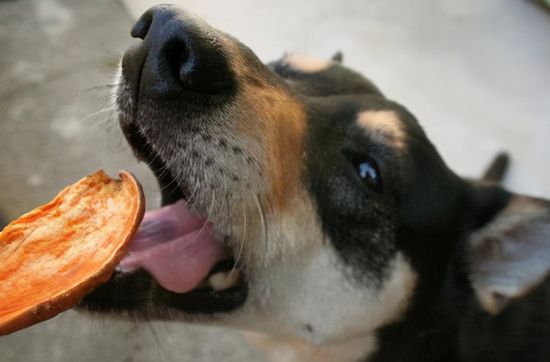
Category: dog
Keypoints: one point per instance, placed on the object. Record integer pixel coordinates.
(304, 207)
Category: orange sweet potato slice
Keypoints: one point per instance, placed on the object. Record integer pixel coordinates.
(51, 257)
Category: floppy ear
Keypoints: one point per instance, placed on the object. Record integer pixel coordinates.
(510, 255)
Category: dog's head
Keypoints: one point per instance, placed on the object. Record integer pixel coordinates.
(299, 201)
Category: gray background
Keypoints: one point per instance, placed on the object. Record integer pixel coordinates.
(476, 73)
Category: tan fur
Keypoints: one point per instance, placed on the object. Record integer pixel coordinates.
(306, 64)
(278, 125)
(384, 126)
(282, 131)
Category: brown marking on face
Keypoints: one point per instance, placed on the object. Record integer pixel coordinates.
(306, 64)
(281, 128)
(384, 127)
(273, 119)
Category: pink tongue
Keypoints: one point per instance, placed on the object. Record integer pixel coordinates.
(175, 247)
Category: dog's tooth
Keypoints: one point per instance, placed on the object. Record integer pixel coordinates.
(224, 280)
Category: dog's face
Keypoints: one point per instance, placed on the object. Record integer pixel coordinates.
(322, 211)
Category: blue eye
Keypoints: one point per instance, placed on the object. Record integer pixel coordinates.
(367, 170)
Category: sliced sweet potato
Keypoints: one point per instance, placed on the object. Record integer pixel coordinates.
(51, 257)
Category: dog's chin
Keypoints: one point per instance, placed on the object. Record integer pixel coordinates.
(133, 291)
(139, 296)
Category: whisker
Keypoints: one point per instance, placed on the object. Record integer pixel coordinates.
(173, 182)
(61, 319)
(165, 169)
(109, 51)
(226, 198)
(107, 119)
(110, 97)
(203, 226)
(108, 108)
(190, 198)
(118, 149)
(99, 87)
(212, 205)
(244, 238)
(264, 228)
(155, 336)
(149, 149)
(219, 215)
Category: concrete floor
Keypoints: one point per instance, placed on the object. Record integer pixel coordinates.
(476, 73)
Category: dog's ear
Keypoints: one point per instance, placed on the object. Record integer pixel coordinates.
(509, 255)
(338, 57)
(497, 169)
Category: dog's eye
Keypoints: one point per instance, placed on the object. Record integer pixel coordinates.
(368, 171)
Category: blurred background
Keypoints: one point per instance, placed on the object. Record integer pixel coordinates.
(476, 73)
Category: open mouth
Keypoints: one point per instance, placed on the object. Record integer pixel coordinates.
(192, 268)
(178, 249)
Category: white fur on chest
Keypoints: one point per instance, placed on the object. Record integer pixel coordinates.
(314, 313)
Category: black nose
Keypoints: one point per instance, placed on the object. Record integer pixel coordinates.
(182, 55)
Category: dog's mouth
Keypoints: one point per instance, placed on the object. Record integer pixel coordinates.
(178, 248)
(176, 260)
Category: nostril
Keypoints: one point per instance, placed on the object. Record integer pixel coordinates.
(181, 54)
(178, 59)
(186, 68)
(183, 59)
(143, 25)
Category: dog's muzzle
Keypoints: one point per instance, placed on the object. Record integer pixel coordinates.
(178, 72)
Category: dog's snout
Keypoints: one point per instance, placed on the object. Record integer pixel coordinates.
(182, 54)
